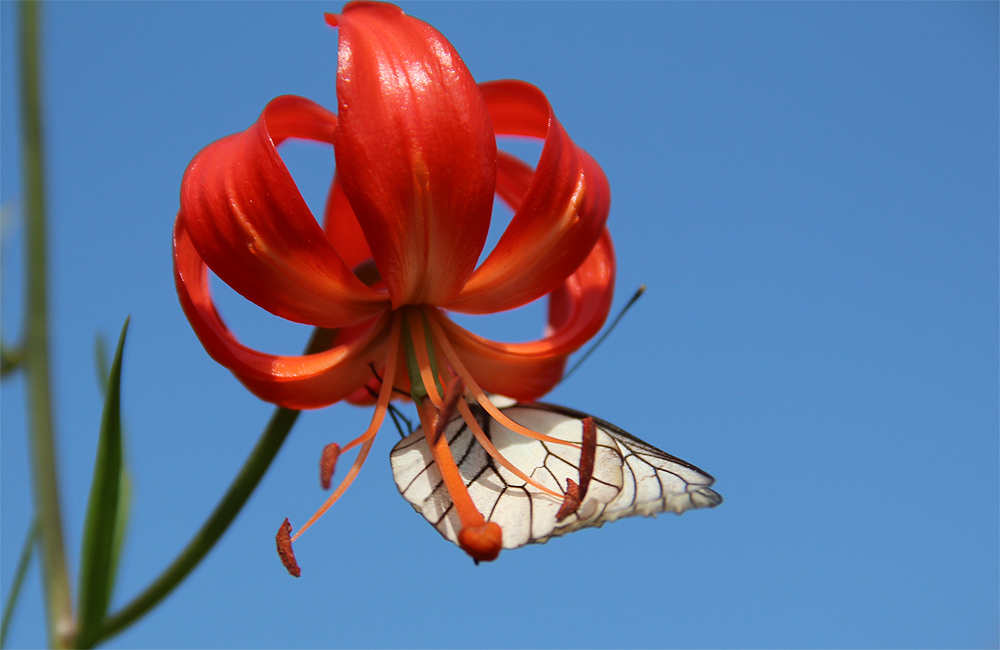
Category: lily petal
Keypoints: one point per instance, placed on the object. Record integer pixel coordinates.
(415, 148)
(250, 224)
(309, 381)
(577, 311)
(560, 216)
(341, 226)
(513, 179)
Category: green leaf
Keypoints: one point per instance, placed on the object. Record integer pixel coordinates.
(225, 512)
(101, 362)
(106, 512)
(103, 366)
(121, 523)
(15, 589)
(10, 360)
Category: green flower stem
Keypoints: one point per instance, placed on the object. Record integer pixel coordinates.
(232, 502)
(246, 481)
(58, 599)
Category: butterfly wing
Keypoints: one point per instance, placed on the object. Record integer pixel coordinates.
(630, 477)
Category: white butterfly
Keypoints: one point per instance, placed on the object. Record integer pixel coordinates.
(630, 477)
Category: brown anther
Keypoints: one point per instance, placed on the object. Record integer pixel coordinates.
(588, 452)
(284, 541)
(328, 463)
(452, 393)
(482, 542)
(572, 501)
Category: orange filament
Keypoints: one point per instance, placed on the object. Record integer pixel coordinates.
(419, 339)
(481, 539)
(494, 453)
(366, 439)
(453, 395)
(456, 363)
(447, 405)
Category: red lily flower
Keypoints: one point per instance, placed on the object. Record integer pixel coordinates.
(405, 222)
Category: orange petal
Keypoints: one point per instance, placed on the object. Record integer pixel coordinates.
(513, 179)
(309, 381)
(560, 214)
(249, 223)
(577, 311)
(415, 151)
(343, 229)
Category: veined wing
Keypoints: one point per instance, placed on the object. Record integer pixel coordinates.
(630, 477)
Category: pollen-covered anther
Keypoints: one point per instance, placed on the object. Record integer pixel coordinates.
(588, 454)
(575, 493)
(328, 463)
(284, 542)
(572, 501)
(482, 542)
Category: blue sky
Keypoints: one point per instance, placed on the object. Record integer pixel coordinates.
(810, 192)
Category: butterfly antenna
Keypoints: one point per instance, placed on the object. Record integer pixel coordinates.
(631, 301)
(396, 416)
(379, 379)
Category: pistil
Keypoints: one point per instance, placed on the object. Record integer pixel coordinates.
(481, 539)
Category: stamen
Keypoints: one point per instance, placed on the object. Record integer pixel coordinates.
(588, 454)
(480, 395)
(346, 483)
(453, 394)
(284, 542)
(575, 494)
(379, 380)
(394, 412)
(481, 539)
(572, 502)
(494, 453)
(327, 463)
(427, 374)
(368, 437)
(389, 407)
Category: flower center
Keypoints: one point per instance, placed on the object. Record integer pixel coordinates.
(440, 385)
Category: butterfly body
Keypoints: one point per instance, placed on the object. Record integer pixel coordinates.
(630, 477)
